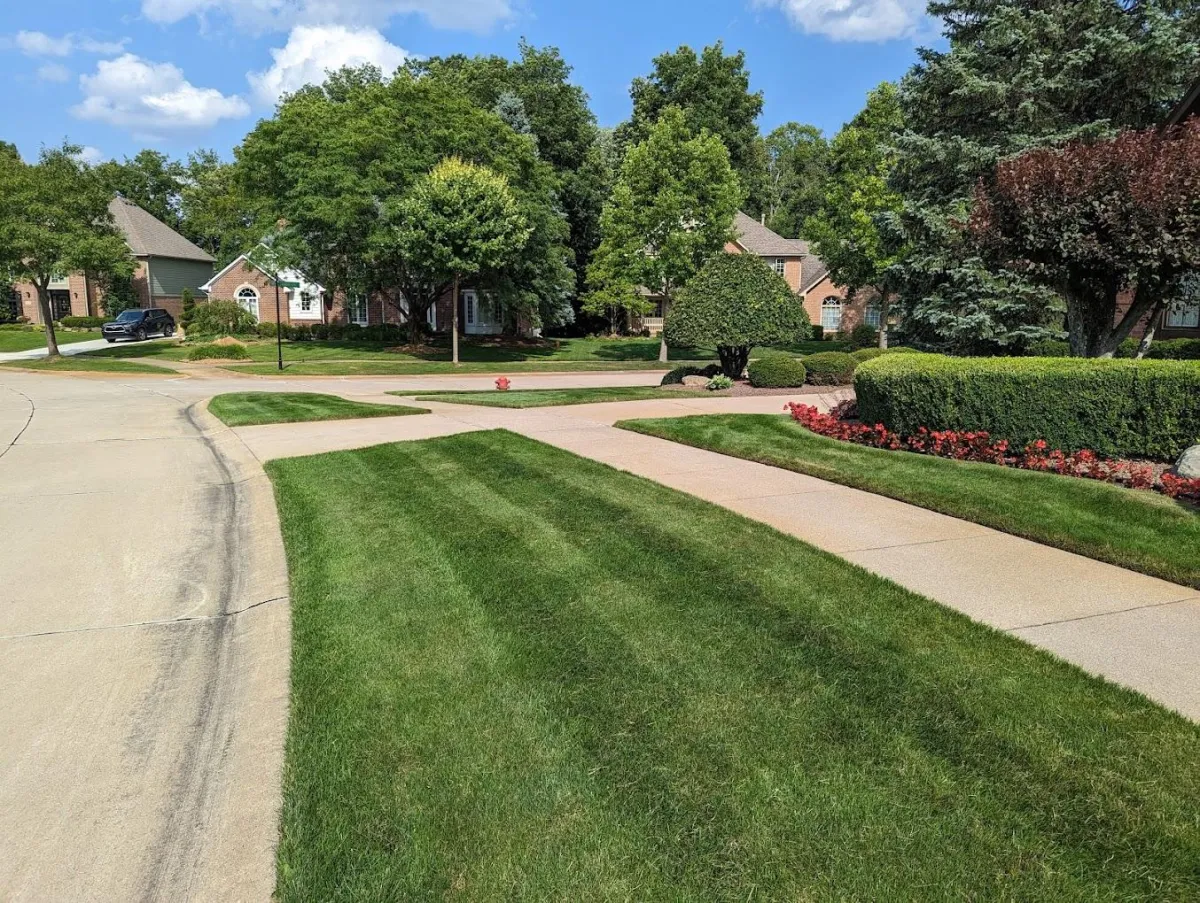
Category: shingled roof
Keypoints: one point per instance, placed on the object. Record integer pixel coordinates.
(148, 236)
(758, 239)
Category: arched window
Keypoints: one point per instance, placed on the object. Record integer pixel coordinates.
(831, 314)
(871, 317)
(247, 298)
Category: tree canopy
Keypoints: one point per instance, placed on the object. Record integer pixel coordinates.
(736, 302)
(1017, 75)
(671, 209)
(55, 221)
(797, 172)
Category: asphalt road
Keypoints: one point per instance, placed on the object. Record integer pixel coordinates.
(143, 649)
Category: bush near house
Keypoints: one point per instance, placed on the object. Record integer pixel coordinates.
(1163, 350)
(777, 371)
(211, 351)
(1138, 409)
(861, 336)
(867, 354)
(82, 322)
(830, 368)
(222, 318)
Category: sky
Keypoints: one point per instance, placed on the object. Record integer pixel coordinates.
(115, 76)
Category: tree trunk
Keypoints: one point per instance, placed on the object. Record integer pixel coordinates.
(663, 352)
(733, 359)
(43, 293)
(454, 325)
(1148, 335)
(884, 305)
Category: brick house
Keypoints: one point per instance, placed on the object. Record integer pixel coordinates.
(167, 263)
(827, 305)
(303, 301)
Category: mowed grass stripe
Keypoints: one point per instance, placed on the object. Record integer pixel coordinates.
(255, 408)
(520, 674)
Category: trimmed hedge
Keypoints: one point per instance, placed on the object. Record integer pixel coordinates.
(777, 371)
(211, 351)
(675, 377)
(82, 322)
(830, 368)
(1161, 350)
(1137, 409)
(867, 354)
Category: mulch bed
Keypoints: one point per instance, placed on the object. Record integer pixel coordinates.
(743, 388)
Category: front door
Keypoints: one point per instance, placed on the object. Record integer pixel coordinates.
(60, 303)
(479, 314)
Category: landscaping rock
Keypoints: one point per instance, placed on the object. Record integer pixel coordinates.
(695, 382)
(1188, 465)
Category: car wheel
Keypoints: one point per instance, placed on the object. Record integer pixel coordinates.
(110, 341)
(140, 335)
(168, 331)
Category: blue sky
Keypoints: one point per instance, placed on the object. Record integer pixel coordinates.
(119, 75)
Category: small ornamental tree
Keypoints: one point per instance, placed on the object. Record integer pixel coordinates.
(1095, 219)
(459, 222)
(736, 302)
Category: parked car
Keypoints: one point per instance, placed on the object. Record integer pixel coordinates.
(139, 324)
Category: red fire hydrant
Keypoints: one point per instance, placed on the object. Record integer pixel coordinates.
(502, 384)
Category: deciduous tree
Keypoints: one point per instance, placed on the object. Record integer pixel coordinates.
(1095, 219)
(54, 221)
(797, 172)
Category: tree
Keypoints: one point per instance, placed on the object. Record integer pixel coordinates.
(215, 212)
(713, 91)
(334, 157)
(150, 179)
(55, 220)
(736, 302)
(851, 230)
(458, 222)
(797, 170)
(672, 208)
(1017, 75)
(1095, 219)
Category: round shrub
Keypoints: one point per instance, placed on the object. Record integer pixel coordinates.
(777, 371)
(675, 377)
(211, 351)
(903, 349)
(862, 336)
(867, 354)
(1118, 409)
(830, 368)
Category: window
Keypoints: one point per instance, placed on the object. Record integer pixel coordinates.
(831, 314)
(306, 302)
(358, 310)
(247, 299)
(779, 264)
(871, 318)
(1184, 314)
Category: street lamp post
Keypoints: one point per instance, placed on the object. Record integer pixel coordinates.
(278, 325)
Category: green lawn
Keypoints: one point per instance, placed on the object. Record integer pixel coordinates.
(1143, 531)
(445, 368)
(544, 398)
(78, 362)
(20, 340)
(520, 675)
(252, 408)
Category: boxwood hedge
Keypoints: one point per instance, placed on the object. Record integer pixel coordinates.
(1118, 408)
(776, 371)
(830, 368)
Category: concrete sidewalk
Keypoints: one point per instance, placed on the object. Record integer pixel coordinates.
(1136, 630)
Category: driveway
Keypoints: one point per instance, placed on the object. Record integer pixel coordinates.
(143, 649)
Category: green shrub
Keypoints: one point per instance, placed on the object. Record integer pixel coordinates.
(82, 322)
(211, 351)
(903, 349)
(719, 383)
(867, 354)
(1175, 350)
(830, 368)
(1140, 409)
(189, 309)
(217, 318)
(861, 336)
(675, 377)
(818, 332)
(777, 371)
(1049, 348)
(270, 330)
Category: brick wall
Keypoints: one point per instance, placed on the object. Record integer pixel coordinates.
(853, 311)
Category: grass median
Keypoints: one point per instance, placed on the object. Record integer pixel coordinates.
(26, 340)
(1142, 531)
(520, 674)
(254, 408)
(81, 364)
(545, 398)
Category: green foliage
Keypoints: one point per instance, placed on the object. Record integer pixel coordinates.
(218, 318)
(797, 176)
(818, 332)
(675, 377)
(82, 322)
(117, 294)
(671, 209)
(1144, 409)
(1172, 350)
(719, 383)
(830, 368)
(861, 336)
(712, 89)
(211, 351)
(736, 302)
(1017, 75)
(777, 371)
(189, 308)
(867, 354)
(149, 179)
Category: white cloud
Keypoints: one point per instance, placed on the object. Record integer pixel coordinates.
(853, 20)
(38, 43)
(53, 72)
(152, 98)
(90, 155)
(282, 15)
(313, 50)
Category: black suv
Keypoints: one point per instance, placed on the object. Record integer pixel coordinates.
(138, 324)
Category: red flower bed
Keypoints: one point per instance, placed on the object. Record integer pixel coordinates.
(977, 445)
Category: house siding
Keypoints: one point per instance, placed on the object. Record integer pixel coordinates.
(168, 278)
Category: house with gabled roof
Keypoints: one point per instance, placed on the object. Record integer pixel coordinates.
(166, 264)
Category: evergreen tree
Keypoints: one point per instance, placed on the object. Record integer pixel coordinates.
(1017, 74)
